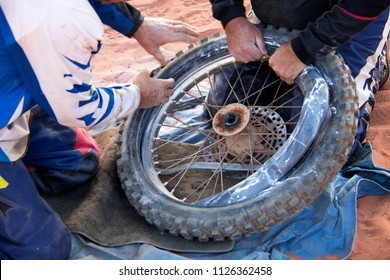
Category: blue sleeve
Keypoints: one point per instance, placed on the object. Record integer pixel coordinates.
(121, 16)
(226, 10)
(336, 27)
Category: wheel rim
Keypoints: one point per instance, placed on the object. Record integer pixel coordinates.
(191, 161)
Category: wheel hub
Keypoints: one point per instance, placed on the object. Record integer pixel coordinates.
(231, 119)
(246, 136)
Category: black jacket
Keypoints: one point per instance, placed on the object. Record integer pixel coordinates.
(326, 24)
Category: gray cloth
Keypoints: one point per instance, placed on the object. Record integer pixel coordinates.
(100, 211)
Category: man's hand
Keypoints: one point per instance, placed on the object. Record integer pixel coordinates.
(286, 64)
(153, 91)
(245, 41)
(156, 32)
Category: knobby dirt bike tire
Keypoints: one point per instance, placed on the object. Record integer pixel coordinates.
(288, 197)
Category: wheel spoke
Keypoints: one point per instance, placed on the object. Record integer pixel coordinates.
(213, 163)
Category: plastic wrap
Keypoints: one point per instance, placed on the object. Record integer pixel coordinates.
(315, 112)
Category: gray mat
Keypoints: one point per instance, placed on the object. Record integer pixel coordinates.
(100, 211)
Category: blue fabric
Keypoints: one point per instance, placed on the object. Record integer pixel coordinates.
(51, 145)
(111, 16)
(59, 157)
(324, 230)
(363, 45)
(39, 232)
(17, 78)
(361, 48)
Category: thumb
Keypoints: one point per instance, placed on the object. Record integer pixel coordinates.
(261, 45)
(169, 83)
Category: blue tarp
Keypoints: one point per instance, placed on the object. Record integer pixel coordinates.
(324, 230)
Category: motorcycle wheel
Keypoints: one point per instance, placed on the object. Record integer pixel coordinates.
(213, 163)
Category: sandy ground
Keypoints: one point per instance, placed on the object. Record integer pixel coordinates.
(121, 58)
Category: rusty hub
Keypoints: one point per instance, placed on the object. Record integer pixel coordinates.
(247, 139)
(231, 119)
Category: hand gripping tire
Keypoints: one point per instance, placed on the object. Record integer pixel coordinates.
(203, 166)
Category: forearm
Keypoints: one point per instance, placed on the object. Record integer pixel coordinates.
(100, 109)
(63, 70)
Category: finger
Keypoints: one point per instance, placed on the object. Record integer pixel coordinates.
(169, 84)
(253, 52)
(164, 95)
(158, 55)
(246, 53)
(283, 76)
(183, 35)
(245, 57)
(169, 93)
(175, 22)
(144, 72)
(240, 58)
(183, 38)
(184, 28)
(142, 75)
(182, 23)
(261, 45)
(287, 79)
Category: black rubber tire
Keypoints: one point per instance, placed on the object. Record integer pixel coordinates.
(287, 198)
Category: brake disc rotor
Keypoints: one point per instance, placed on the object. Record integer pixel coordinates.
(244, 135)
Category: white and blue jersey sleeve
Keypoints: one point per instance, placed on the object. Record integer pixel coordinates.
(46, 47)
(120, 16)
